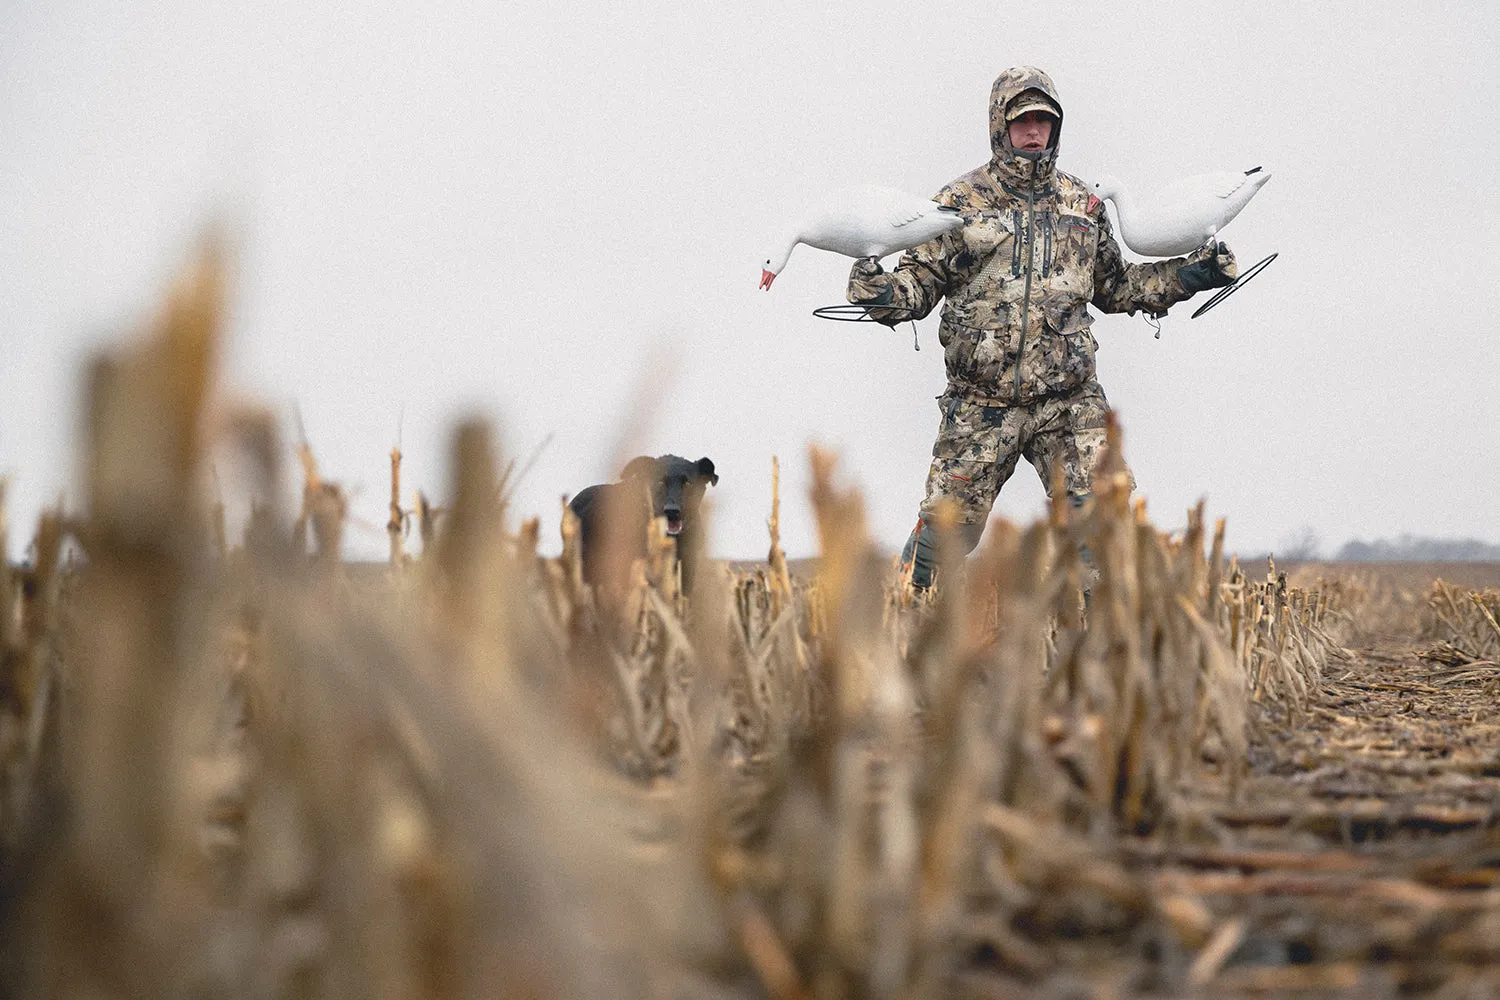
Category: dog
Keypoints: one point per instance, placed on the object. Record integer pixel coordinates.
(676, 486)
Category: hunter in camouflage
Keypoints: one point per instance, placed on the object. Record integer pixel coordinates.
(1017, 279)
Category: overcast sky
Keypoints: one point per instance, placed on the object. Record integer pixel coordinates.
(523, 209)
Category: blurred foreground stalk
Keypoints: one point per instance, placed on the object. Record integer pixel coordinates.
(261, 773)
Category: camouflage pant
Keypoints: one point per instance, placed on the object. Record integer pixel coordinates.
(977, 449)
(978, 446)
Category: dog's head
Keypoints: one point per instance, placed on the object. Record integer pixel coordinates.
(676, 484)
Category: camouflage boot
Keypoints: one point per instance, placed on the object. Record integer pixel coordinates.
(919, 557)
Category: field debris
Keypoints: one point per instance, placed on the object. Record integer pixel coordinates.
(1098, 760)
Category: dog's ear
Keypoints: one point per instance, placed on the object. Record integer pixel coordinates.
(706, 470)
(640, 467)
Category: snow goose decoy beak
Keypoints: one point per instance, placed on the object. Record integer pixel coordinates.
(1184, 216)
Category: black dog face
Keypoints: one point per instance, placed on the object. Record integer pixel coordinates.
(677, 485)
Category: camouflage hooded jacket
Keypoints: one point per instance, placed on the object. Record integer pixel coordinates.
(1036, 249)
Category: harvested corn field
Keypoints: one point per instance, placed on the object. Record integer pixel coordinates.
(1098, 760)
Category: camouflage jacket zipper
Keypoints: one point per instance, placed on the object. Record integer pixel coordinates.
(1026, 294)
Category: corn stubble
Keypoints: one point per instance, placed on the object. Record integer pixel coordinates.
(252, 771)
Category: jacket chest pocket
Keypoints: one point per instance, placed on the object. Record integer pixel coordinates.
(1068, 248)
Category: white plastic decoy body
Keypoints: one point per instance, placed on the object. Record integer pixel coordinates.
(1183, 216)
(865, 221)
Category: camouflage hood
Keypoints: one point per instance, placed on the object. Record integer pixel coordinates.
(1017, 169)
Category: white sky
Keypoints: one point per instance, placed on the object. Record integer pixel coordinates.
(519, 208)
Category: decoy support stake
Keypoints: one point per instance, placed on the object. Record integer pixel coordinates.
(857, 313)
(1229, 290)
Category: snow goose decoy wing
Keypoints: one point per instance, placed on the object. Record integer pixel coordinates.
(866, 221)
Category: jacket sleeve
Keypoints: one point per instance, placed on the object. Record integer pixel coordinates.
(918, 282)
(1123, 287)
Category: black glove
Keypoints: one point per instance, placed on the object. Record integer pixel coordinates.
(1212, 267)
(868, 284)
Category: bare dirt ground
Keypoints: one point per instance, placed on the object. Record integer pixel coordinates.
(1365, 848)
(1361, 858)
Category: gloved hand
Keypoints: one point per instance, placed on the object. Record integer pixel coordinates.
(869, 285)
(1209, 268)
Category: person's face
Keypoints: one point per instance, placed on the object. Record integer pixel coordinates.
(1031, 131)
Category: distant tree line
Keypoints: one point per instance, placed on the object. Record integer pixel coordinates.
(1412, 548)
(1304, 545)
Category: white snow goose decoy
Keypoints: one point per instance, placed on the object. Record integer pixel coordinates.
(1184, 216)
(866, 221)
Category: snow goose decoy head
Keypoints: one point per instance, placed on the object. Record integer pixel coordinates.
(773, 265)
(1106, 188)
